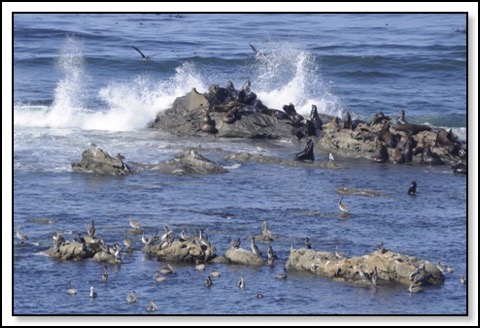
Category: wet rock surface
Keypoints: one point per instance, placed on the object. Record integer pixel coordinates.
(96, 160)
(189, 162)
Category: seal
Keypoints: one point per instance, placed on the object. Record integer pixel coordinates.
(315, 118)
(381, 154)
(407, 150)
(230, 116)
(430, 158)
(397, 155)
(307, 153)
(347, 121)
(207, 125)
(379, 118)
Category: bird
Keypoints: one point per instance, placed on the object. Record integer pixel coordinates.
(412, 190)
(208, 282)
(342, 206)
(215, 273)
(259, 295)
(93, 294)
(414, 288)
(71, 290)
(258, 54)
(166, 269)
(241, 283)
(132, 297)
(255, 249)
(330, 157)
(127, 242)
(440, 266)
(379, 244)
(105, 273)
(340, 255)
(21, 236)
(91, 229)
(134, 223)
(282, 275)
(152, 307)
(449, 268)
(307, 243)
(159, 277)
(374, 277)
(199, 266)
(144, 58)
(401, 117)
(463, 279)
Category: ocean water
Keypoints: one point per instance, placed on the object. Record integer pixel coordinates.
(78, 81)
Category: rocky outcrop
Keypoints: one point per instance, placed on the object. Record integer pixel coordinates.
(243, 256)
(189, 162)
(383, 266)
(98, 161)
(182, 251)
(70, 251)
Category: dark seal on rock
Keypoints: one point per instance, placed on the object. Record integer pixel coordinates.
(307, 153)
(207, 125)
(381, 154)
(347, 121)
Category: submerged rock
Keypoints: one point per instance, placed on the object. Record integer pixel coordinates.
(182, 251)
(189, 162)
(98, 161)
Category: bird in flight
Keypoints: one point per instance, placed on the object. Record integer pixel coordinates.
(258, 54)
(144, 57)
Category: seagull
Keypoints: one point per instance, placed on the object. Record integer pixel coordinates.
(330, 157)
(342, 206)
(71, 290)
(258, 54)
(152, 307)
(463, 280)
(93, 294)
(21, 236)
(241, 283)
(144, 58)
(132, 297)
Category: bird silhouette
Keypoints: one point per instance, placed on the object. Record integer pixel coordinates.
(144, 57)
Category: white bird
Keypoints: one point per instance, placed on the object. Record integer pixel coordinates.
(340, 255)
(21, 236)
(330, 157)
(93, 294)
(132, 297)
(342, 206)
(152, 307)
(71, 290)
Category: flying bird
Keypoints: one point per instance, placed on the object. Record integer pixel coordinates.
(144, 57)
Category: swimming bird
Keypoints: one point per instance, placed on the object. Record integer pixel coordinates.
(21, 236)
(132, 297)
(134, 223)
(414, 288)
(255, 249)
(208, 282)
(342, 206)
(159, 277)
(144, 57)
(152, 307)
(71, 290)
(412, 190)
(93, 294)
(307, 243)
(241, 283)
(199, 266)
(282, 275)
(215, 274)
(259, 295)
(105, 274)
(330, 157)
(463, 279)
(91, 229)
(340, 255)
(449, 268)
(166, 269)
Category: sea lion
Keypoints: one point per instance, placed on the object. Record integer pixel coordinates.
(429, 157)
(347, 121)
(381, 154)
(387, 137)
(332, 125)
(397, 155)
(316, 120)
(407, 150)
(307, 153)
(412, 190)
(207, 125)
(230, 116)
(411, 128)
(379, 118)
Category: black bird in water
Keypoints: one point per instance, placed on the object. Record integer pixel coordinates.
(144, 57)
(412, 190)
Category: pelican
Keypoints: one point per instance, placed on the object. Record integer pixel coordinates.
(152, 307)
(71, 290)
(91, 229)
(93, 294)
(105, 274)
(208, 282)
(282, 275)
(132, 297)
(342, 206)
(255, 249)
(21, 236)
(144, 57)
(183, 235)
(134, 224)
(241, 283)
(340, 255)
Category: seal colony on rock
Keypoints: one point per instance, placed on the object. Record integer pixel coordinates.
(227, 112)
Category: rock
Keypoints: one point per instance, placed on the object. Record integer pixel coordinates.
(260, 158)
(98, 161)
(70, 251)
(105, 257)
(388, 265)
(182, 251)
(243, 256)
(189, 162)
